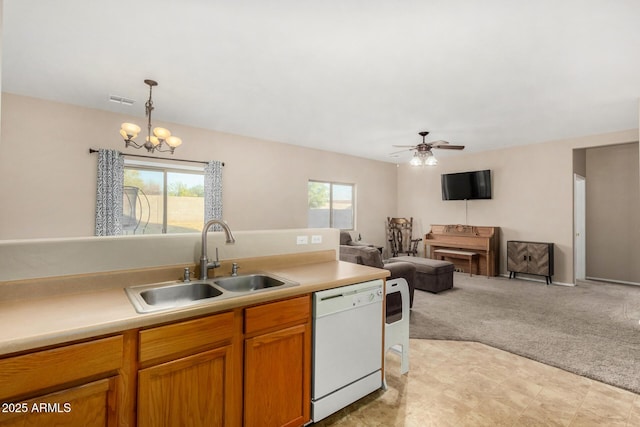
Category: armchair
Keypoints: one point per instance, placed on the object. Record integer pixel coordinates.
(346, 239)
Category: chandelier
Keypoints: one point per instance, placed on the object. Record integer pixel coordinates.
(155, 141)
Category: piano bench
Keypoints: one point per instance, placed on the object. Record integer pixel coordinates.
(431, 275)
(451, 253)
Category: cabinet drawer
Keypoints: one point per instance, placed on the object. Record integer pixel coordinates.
(40, 370)
(193, 335)
(277, 314)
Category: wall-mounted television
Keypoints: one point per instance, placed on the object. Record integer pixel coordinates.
(466, 185)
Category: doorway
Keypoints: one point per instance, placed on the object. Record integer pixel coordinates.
(579, 225)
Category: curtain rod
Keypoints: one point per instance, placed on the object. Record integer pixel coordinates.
(93, 150)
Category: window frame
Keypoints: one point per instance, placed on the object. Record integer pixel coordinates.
(331, 209)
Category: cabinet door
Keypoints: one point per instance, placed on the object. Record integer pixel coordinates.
(277, 378)
(82, 406)
(517, 257)
(186, 392)
(539, 258)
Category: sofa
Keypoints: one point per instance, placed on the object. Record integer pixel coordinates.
(369, 255)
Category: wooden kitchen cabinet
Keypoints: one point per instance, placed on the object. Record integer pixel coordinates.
(72, 385)
(191, 373)
(84, 406)
(531, 258)
(187, 391)
(277, 366)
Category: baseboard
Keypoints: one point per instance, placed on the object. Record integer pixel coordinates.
(535, 279)
(621, 282)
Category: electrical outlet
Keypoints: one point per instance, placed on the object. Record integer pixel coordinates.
(316, 238)
(302, 240)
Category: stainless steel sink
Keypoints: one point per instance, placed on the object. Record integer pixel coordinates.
(178, 294)
(251, 283)
(168, 295)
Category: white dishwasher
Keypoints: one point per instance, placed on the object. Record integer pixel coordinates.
(347, 346)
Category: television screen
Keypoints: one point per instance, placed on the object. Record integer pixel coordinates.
(466, 185)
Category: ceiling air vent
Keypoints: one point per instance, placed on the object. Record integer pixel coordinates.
(121, 100)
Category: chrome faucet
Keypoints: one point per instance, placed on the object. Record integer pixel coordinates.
(205, 265)
(234, 269)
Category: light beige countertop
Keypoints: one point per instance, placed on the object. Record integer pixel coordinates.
(97, 308)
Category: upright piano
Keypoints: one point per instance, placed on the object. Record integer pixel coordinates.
(485, 241)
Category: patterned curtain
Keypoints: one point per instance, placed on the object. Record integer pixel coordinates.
(213, 191)
(109, 193)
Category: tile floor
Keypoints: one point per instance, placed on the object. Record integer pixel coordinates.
(457, 383)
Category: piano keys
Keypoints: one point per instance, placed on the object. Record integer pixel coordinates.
(483, 240)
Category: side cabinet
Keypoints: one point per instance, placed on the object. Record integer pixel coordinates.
(73, 385)
(530, 258)
(277, 378)
(191, 373)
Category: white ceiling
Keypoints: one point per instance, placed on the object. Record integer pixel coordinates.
(350, 76)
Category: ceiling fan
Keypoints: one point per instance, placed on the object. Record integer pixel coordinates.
(423, 154)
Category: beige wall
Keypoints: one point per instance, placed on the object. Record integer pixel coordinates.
(613, 213)
(47, 176)
(532, 194)
(1, 40)
(47, 180)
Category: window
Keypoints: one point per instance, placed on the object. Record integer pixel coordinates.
(331, 205)
(161, 199)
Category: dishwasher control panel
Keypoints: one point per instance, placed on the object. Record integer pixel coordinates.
(348, 297)
(367, 297)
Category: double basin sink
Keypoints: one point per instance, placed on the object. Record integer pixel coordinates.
(168, 295)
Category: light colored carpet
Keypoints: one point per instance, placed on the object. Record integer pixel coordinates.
(591, 329)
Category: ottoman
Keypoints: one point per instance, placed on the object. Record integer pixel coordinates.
(431, 275)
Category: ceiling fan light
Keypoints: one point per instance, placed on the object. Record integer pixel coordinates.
(416, 160)
(431, 161)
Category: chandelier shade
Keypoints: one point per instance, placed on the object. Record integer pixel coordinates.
(129, 130)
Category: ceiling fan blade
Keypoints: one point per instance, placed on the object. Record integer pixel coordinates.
(424, 148)
(438, 142)
(402, 151)
(449, 147)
